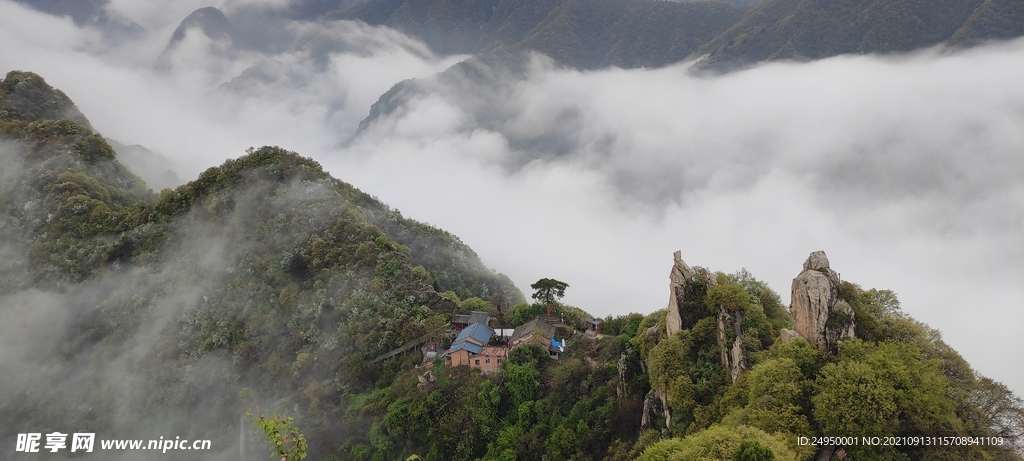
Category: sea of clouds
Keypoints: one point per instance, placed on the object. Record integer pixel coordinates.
(908, 170)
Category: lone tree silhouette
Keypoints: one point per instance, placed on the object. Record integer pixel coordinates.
(547, 290)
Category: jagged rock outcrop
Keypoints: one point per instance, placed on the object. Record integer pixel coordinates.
(738, 363)
(426, 382)
(842, 317)
(679, 278)
(665, 409)
(788, 335)
(654, 403)
(620, 388)
(814, 296)
(732, 355)
(653, 334)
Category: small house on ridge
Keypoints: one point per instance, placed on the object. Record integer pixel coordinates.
(472, 347)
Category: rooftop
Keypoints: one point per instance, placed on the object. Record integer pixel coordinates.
(537, 324)
(472, 317)
(477, 333)
(474, 348)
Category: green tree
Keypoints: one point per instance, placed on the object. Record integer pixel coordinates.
(719, 443)
(1002, 412)
(775, 395)
(285, 438)
(852, 399)
(547, 290)
(664, 362)
(882, 303)
(681, 396)
(922, 389)
(484, 409)
(521, 313)
(561, 444)
(476, 304)
(522, 382)
(750, 450)
(807, 357)
(770, 302)
(731, 296)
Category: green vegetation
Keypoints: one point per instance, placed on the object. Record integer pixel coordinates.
(535, 408)
(788, 29)
(549, 290)
(586, 35)
(643, 33)
(993, 20)
(903, 381)
(285, 439)
(722, 443)
(267, 282)
(284, 279)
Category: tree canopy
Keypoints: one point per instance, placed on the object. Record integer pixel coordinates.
(266, 280)
(548, 290)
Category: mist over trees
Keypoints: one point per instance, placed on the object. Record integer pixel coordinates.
(140, 306)
(265, 266)
(266, 280)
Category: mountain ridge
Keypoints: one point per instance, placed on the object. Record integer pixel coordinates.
(266, 283)
(662, 33)
(237, 288)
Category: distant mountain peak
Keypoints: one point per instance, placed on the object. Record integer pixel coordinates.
(211, 21)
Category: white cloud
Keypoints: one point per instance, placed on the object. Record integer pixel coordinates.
(905, 169)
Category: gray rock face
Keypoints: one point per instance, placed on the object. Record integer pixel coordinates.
(816, 261)
(620, 388)
(842, 313)
(732, 355)
(680, 276)
(815, 293)
(653, 333)
(652, 406)
(788, 335)
(739, 359)
(665, 410)
(426, 383)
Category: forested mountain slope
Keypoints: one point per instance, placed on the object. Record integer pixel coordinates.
(182, 309)
(589, 34)
(807, 30)
(594, 34)
(583, 34)
(266, 284)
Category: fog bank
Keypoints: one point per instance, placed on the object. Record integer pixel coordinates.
(907, 170)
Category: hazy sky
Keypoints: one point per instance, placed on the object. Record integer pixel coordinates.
(907, 170)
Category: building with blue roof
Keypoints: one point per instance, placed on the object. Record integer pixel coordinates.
(471, 347)
(477, 333)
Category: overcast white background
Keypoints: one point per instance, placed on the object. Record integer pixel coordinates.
(907, 170)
